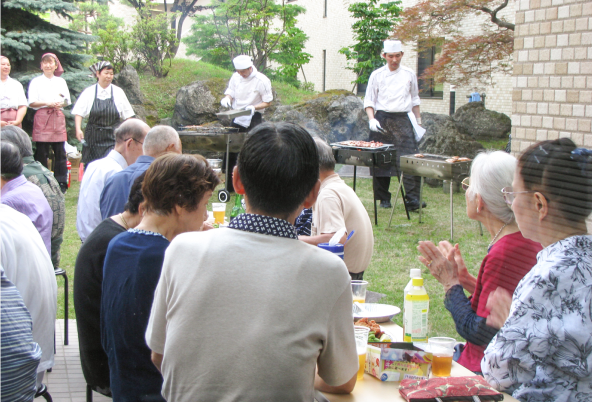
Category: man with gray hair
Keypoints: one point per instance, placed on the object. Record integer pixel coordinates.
(43, 178)
(129, 139)
(338, 207)
(159, 141)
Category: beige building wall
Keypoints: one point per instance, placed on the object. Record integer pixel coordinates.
(331, 30)
(552, 94)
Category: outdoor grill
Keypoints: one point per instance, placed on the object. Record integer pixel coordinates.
(215, 139)
(382, 157)
(433, 167)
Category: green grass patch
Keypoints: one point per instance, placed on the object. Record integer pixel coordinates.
(162, 92)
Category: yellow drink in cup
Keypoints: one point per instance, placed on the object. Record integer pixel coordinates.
(361, 334)
(359, 300)
(442, 349)
(359, 291)
(219, 209)
(441, 366)
(362, 361)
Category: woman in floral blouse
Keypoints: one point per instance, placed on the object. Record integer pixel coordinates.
(543, 351)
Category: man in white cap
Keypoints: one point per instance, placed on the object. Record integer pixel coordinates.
(250, 90)
(392, 105)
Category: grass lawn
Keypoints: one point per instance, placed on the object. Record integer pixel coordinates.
(394, 252)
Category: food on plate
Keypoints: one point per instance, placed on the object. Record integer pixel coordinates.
(362, 144)
(376, 333)
(419, 156)
(463, 159)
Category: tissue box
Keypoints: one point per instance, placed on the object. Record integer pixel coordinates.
(397, 361)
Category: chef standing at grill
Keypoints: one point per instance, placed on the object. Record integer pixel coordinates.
(392, 105)
(248, 89)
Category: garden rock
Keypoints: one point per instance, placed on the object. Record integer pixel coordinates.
(196, 103)
(480, 123)
(128, 80)
(334, 115)
(442, 137)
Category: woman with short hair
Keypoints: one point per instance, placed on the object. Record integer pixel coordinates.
(509, 256)
(106, 107)
(543, 351)
(48, 95)
(13, 102)
(176, 191)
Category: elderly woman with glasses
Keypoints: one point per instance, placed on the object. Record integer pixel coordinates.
(509, 257)
(543, 350)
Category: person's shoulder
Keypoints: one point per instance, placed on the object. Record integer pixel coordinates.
(378, 71)
(15, 82)
(407, 70)
(262, 77)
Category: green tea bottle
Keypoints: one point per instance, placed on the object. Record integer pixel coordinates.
(238, 207)
(415, 318)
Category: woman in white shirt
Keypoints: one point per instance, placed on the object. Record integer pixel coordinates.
(13, 102)
(48, 94)
(107, 107)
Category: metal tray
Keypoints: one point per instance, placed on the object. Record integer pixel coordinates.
(381, 148)
(231, 114)
(376, 311)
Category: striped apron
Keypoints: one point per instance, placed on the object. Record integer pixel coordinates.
(99, 132)
(9, 115)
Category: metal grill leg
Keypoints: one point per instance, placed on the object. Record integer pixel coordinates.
(420, 196)
(451, 213)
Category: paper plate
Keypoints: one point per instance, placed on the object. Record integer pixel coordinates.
(375, 311)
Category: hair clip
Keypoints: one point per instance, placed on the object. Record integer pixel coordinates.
(581, 155)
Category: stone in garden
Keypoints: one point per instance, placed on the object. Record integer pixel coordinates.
(198, 102)
(128, 80)
(443, 138)
(335, 115)
(480, 123)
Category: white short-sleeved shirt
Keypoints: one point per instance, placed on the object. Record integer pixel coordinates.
(249, 91)
(43, 89)
(86, 99)
(392, 91)
(12, 94)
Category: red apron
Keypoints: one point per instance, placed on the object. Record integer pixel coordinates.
(9, 115)
(49, 126)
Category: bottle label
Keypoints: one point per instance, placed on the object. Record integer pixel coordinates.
(416, 320)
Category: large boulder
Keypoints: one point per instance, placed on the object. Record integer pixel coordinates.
(334, 115)
(480, 123)
(128, 80)
(198, 102)
(442, 137)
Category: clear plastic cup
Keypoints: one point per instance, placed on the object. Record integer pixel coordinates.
(219, 209)
(359, 291)
(361, 334)
(442, 349)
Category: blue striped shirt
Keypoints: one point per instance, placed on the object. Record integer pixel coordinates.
(20, 355)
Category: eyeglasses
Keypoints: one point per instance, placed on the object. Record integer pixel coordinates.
(510, 195)
(466, 183)
(133, 139)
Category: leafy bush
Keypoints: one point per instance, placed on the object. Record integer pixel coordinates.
(114, 45)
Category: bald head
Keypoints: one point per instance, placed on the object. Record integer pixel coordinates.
(131, 128)
(162, 139)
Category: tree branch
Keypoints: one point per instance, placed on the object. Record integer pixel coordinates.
(493, 14)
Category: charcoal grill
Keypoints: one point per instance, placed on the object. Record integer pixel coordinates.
(380, 157)
(433, 167)
(215, 139)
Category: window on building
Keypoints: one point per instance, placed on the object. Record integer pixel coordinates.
(325, 10)
(427, 88)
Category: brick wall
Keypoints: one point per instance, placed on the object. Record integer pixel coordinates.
(552, 95)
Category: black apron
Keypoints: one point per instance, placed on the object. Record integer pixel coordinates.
(99, 133)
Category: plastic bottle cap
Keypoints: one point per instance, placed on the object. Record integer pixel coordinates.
(417, 281)
(415, 273)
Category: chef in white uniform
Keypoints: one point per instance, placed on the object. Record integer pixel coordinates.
(392, 105)
(248, 89)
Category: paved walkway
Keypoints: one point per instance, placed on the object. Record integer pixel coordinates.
(66, 382)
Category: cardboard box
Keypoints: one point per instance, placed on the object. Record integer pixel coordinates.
(74, 174)
(397, 361)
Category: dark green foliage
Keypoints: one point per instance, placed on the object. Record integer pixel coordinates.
(375, 23)
(263, 29)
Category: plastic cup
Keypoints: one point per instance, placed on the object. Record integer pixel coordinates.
(359, 291)
(361, 334)
(336, 249)
(442, 349)
(219, 209)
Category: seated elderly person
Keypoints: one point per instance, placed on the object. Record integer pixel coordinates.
(27, 265)
(339, 207)
(287, 303)
(158, 141)
(43, 178)
(20, 353)
(543, 351)
(23, 195)
(88, 282)
(509, 257)
(129, 137)
(176, 191)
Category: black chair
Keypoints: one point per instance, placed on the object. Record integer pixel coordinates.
(90, 389)
(42, 391)
(61, 272)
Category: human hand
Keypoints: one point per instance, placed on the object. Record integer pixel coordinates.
(206, 226)
(13, 123)
(499, 303)
(79, 134)
(226, 102)
(441, 266)
(375, 125)
(3, 123)
(251, 108)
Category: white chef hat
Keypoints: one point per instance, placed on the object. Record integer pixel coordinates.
(242, 62)
(392, 46)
